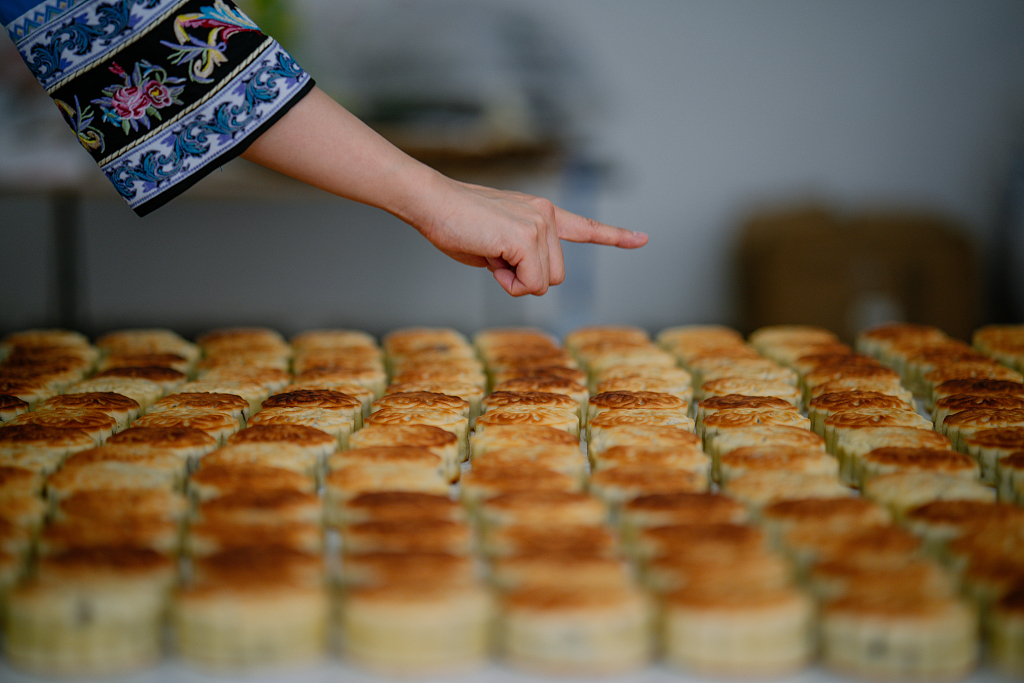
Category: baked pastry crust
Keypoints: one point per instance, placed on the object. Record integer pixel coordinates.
(410, 629)
(899, 635)
(542, 509)
(424, 535)
(168, 378)
(620, 483)
(486, 481)
(11, 406)
(749, 387)
(766, 632)
(220, 425)
(824, 405)
(212, 481)
(122, 408)
(564, 631)
(399, 506)
(504, 436)
(565, 458)
(312, 439)
(96, 424)
(889, 459)
(902, 491)
(739, 461)
(757, 489)
(227, 403)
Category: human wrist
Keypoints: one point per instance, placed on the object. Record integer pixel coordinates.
(420, 191)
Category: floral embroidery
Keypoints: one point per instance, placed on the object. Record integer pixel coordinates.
(204, 56)
(81, 120)
(142, 95)
(224, 125)
(48, 60)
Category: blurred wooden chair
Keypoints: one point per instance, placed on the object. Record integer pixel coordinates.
(810, 265)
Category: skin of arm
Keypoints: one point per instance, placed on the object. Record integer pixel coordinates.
(515, 236)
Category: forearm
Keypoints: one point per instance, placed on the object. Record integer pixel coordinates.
(322, 144)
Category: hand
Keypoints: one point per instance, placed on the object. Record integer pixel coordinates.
(516, 236)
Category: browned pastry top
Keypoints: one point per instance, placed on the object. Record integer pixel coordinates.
(250, 477)
(9, 402)
(848, 358)
(404, 434)
(91, 536)
(201, 401)
(560, 373)
(732, 401)
(1013, 460)
(873, 417)
(429, 534)
(649, 479)
(620, 418)
(856, 399)
(132, 454)
(113, 507)
(554, 500)
(522, 477)
(657, 435)
(748, 417)
(676, 455)
(827, 373)
(896, 604)
(300, 434)
(687, 506)
(84, 420)
(978, 386)
(423, 399)
(42, 435)
(904, 331)
(163, 436)
(112, 560)
(550, 384)
(965, 512)
(404, 505)
(146, 359)
(750, 600)
(957, 403)
(704, 539)
(91, 400)
(995, 417)
(556, 599)
(930, 458)
(583, 539)
(312, 398)
(154, 373)
(184, 417)
(855, 510)
(276, 499)
(539, 399)
(637, 399)
(270, 565)
(14, 478)
(774, 456)
(539, 416)
(401, 455)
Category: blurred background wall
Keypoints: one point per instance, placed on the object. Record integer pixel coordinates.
(688, 120)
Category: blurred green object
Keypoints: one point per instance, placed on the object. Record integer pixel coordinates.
(275, 18)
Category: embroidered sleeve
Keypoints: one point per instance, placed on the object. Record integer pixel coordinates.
(159, 92)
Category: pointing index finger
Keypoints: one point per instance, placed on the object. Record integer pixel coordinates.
(576, 228)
